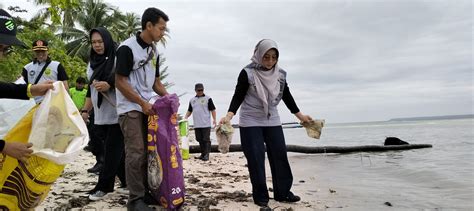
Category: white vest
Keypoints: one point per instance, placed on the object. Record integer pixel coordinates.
(34, 69)
(107, 113)
(141, 79)
(201, 113)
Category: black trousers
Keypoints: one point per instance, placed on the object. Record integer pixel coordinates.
(97, 137)
(114, 164)
(203, 136)
(253, 140)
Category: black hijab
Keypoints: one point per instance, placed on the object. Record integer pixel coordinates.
(103, 65)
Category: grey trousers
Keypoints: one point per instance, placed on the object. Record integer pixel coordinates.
(134, 129)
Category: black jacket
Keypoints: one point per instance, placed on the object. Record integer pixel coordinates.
(13, 91)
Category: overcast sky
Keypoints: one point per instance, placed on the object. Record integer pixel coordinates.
(347, 61)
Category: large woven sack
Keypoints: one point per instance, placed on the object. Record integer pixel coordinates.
(170, 193)
(25, 185)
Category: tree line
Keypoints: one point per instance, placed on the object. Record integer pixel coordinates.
(66, 25)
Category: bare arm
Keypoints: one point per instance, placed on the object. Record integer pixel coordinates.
(187, 115)
(213, 113)
(159, 88)
(87, 107)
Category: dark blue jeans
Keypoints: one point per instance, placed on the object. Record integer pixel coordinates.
(253, 140)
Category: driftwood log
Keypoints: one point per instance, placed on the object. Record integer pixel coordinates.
(325, 149)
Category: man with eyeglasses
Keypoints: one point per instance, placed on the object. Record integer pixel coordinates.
(201, 106)
(8, 38)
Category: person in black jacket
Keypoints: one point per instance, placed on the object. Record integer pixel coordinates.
(8, 38)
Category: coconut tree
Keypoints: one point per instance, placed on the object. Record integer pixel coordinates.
(59, 11)
(93, 13)
(125, 26)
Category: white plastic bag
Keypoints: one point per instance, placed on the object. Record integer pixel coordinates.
(58, 132)
(12, 110)
(314, 128)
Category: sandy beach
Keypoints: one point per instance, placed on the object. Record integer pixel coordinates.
(222, 183)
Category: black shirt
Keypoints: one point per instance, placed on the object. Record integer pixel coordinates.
(13, 91)
(241, 90)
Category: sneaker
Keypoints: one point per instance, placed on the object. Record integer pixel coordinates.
(97, 195)
(290, 198)
(122, 190)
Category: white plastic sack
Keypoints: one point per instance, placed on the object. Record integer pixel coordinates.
(12, 110)
(58, 132)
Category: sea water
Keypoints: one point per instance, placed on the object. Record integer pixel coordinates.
(438, 178)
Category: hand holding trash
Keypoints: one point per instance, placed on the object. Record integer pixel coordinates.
(41, 89)
(224, 134)
(313, 127)
(227, 118)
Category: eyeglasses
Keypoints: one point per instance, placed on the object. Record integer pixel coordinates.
(199, 90)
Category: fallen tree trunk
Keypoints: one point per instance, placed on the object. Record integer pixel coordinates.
(325, 149)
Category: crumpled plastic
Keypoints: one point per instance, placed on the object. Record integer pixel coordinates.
(224, 135)
(314, 128)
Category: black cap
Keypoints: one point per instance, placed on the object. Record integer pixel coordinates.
(8, 30)
(198, 86)
(40, 45)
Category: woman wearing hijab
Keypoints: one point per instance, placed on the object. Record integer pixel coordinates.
(260, 87)
(101, 97)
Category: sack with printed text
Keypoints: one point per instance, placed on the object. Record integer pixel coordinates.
(162, 131)
(58, 134)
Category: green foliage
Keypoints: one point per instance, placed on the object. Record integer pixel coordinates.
(61, 8)
(71, 21)
(91, 14)
(12, 66)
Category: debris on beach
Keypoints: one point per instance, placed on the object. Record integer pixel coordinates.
(209, 186)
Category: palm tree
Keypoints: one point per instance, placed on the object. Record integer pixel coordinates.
(93, 13)
(125, 26)
(163, 71)
(67, 9)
